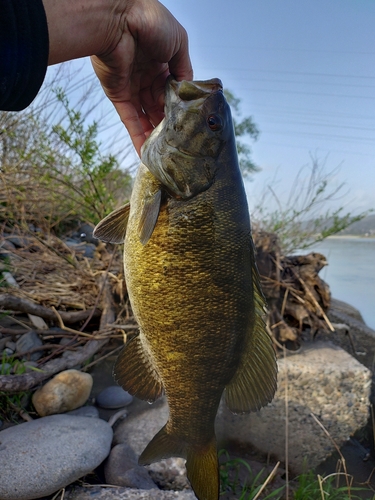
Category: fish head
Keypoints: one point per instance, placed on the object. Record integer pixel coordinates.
(182, 150)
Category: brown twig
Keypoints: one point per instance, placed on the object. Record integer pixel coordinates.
(316, 303)
(101, 358)
(44, 347)
(271, 475)
(21, 412)
(336, 447)
(100, 291)
(26, 381)
(8, 301)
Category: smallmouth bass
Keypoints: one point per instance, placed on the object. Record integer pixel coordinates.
(192, 281)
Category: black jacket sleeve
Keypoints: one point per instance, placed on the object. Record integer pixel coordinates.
(23, 52)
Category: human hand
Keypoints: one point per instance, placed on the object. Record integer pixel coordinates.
(135, 45)
(147, 45)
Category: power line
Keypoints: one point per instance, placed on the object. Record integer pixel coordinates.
(281, 49)
(301, 73)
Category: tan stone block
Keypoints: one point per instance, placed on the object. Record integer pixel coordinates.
(67, 391)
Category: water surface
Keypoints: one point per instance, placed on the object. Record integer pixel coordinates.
(351, 272)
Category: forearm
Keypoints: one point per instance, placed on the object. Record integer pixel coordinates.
(79, 28)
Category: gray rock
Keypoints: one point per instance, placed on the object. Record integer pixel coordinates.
(169, 474)
(3, 341)
(114, 397)
(342, 307)
(7, 245)
(38, 458)
(323, 380)
(11, 345)
(81, 248)
(20, 241)
(72, 241)
(121, 469)
(90, 250)
(85, 234)
(28, 341)
(138, 430)
(360, 343)
(98, 493)
(85, 411)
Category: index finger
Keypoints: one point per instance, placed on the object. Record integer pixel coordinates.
(180, 64)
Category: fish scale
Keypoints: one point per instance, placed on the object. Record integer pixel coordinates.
(192, 281)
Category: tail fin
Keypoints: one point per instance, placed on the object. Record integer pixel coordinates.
(201, 464)
(203, 471)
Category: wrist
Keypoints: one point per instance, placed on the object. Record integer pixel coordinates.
(79, 28)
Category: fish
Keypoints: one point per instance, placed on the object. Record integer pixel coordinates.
(192, 281)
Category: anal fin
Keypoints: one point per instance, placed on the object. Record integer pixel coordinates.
(162, 445)
(135, 372)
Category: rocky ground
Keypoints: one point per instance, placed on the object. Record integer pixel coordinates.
(98, 444)
(73, 434)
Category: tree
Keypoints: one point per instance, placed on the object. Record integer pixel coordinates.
(243, 128)
(53, 172)
(303, 219)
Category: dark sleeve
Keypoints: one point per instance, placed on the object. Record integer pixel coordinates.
(23, 52)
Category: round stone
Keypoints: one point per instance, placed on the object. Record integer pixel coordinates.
(85, 411)
(114, 397)
(38, 458)
(67, 391)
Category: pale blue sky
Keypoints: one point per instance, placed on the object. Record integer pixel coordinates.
(305, 71)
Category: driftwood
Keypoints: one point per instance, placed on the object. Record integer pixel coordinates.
(25, 382)
(17, 383)
(37, 321)
(8, 301)
(297, 297)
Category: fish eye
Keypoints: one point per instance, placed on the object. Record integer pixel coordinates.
(215, 123)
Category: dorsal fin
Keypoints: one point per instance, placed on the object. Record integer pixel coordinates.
(254, 383)
(112, 228)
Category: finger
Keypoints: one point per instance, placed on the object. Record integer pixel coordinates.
(138, 126)
(152, 98)
(180, 64)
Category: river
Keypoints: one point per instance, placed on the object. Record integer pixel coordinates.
(351, 272)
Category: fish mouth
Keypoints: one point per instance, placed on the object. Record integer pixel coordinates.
(191, 91)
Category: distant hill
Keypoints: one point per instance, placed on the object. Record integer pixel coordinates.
(363, 227)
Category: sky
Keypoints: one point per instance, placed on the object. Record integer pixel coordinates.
(305, 72)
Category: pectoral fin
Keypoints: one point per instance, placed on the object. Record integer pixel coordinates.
(149, 216)
(254, 383)
(135, 372)
(112, 228)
